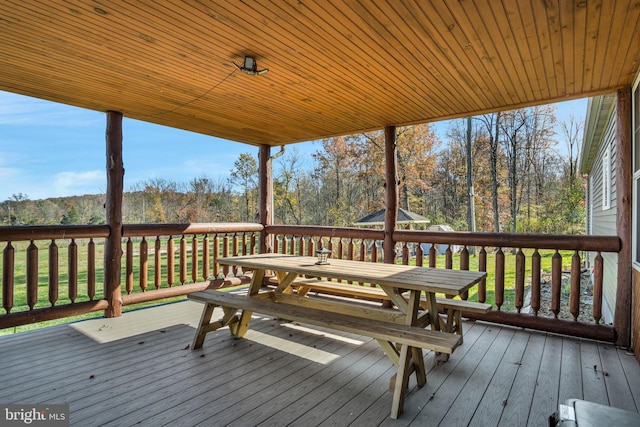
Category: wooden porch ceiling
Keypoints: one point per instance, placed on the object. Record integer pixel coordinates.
(334, 67)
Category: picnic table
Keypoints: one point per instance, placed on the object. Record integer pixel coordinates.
(400, 330)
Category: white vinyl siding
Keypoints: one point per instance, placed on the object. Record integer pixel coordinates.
(602, 212)
(606, 177)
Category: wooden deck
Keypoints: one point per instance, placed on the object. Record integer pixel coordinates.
(138, 369)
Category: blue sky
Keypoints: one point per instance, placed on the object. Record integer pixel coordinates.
(54, 150)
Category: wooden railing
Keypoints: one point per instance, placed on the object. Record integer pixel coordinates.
(168, 260)
(182, 260)
(433, 249)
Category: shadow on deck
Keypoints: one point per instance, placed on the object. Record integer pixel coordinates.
(138, 369)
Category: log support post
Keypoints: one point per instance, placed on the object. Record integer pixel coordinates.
(391, 185)
(624, 184)
(265, 196)
(113, 244)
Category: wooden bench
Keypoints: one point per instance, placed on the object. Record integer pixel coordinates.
(453, 308)
(413, 336)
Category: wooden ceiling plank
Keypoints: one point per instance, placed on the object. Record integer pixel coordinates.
(605, 22)
(330, 87)
(516, 38)
(574, 45)
(503, 50)
(481, 49)
(428, 59)
(450, 63)
(461, 48)
(624, 40)
(590, 42)
(333, 89)
(380, 62)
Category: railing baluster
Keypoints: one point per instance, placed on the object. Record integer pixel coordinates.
(419, 255)
(482, 266)
(129, 266)
(91, 269)
(216, 253)
(535, 282)
(499, 285)
(8, 275)
(340, 249)
(183, 260)
(284, 247)
(432, 256)
(252, 250)
(363, 250)
(32, 275)
(157, 263)
(598, 272)
(53, 273)
(73, 271)
(464, 265)
(206, 265)
(195, 268)
(405, 254)
(574, 296)
(225, 253)
(171, 260)
(374, 251)
(556, 283)
(244, 243)
(448, 254)
(301, 246)
(311, 248)
(144, 264)
(520, 270)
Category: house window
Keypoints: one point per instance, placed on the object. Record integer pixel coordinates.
(606, 178)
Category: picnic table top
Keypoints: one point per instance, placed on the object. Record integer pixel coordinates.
(438, 280)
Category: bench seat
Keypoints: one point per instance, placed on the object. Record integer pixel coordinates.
(412, 336)
(453, 308)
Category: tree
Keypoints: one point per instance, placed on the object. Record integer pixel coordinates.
(244, 176)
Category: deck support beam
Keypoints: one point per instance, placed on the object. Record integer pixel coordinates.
(624, 221)
(391, 186)
(113, 205)
(265, 196)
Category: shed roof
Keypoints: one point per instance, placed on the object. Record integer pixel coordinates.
(404, 217)
(335, 67)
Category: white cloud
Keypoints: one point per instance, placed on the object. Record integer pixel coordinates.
(74, 183)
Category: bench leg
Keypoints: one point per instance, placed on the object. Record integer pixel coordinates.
(205, 326)
(402, 382)
(201, 332)
(243, 324)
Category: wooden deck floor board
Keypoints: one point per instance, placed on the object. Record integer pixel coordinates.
(243, 369)
(545, 398)
(323, 385)
(143, 374)
(570, 371)
(618, 390)
(496, 396)
(469, 398)
(516, 412)
(594, 388)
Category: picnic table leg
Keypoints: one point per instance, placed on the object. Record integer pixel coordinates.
(245, 317)
(416, 352)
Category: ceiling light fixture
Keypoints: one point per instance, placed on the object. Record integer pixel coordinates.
(250, 67)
